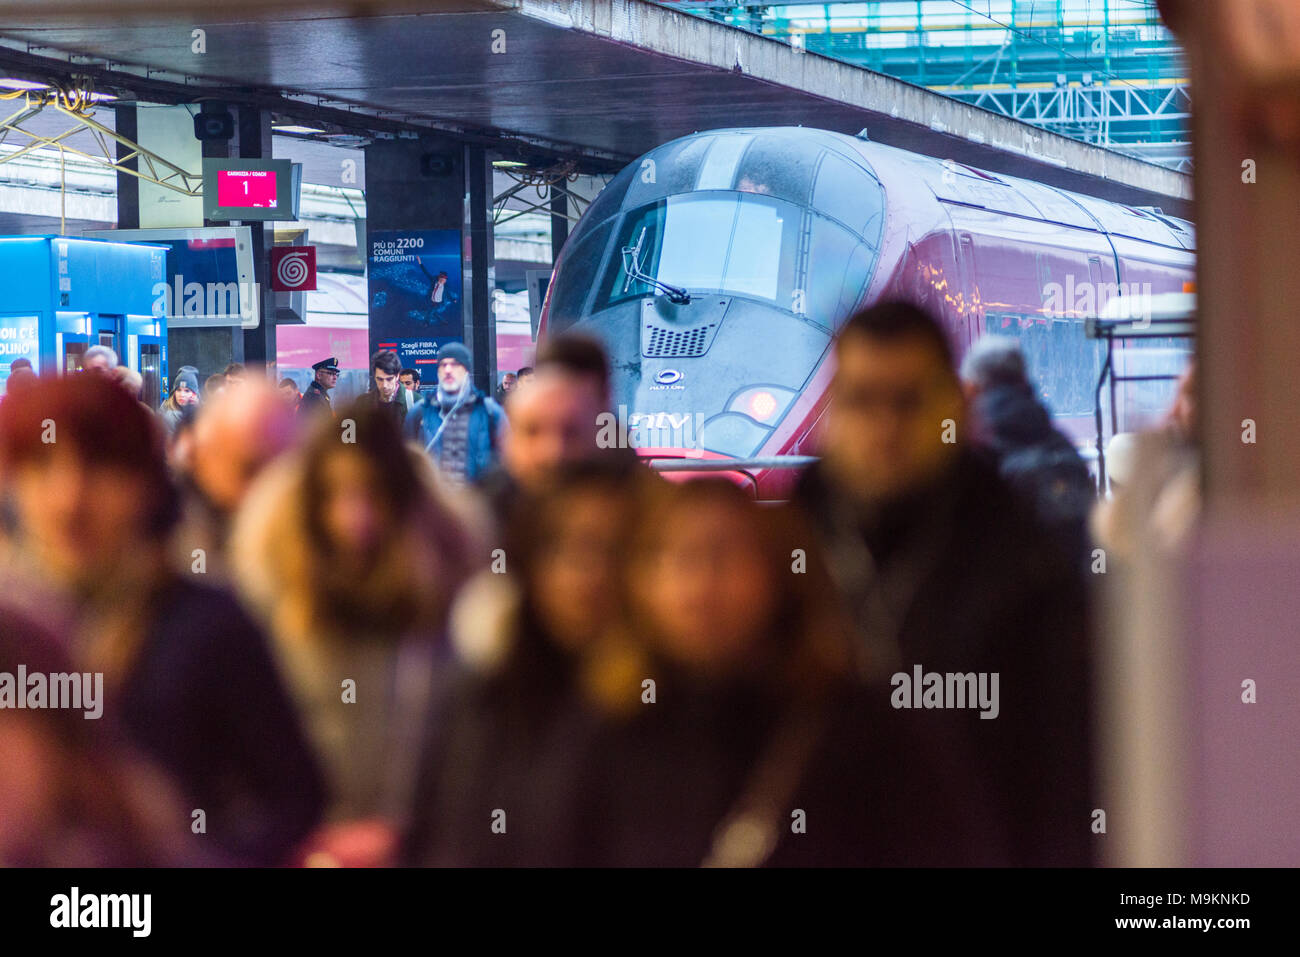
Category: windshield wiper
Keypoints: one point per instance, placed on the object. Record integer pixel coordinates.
(632, 266)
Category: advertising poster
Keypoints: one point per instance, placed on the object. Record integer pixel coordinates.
(18, 340)
(415, 287)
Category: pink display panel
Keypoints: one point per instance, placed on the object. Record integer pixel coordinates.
(254, 188)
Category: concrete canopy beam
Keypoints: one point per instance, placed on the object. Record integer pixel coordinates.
(907, 116)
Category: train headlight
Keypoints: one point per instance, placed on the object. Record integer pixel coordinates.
(763, 403)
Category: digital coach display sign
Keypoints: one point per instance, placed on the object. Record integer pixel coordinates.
(415, 285)
(251, 189)
(247, 187)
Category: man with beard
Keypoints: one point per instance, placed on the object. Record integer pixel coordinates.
(457, 424)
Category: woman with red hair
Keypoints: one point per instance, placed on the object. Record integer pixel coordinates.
(187, 674)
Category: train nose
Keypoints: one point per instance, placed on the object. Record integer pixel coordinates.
(669, 401)
(672, 330)
(715, 375)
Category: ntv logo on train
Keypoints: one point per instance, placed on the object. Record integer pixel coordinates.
(648, 430)
(651, 429)
(1116, 300)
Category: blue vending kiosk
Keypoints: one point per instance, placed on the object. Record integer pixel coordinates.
(62, 295)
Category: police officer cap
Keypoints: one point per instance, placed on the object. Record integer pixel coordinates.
(329, 365)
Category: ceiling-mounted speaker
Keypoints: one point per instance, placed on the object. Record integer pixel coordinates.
(434, 165)
(214, 126)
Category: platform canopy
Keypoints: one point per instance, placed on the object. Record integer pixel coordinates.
(598, 80)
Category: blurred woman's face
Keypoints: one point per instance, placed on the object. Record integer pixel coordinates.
(353, 516)
(705, 588)
(185, 395)
(80, 519)
(576, 585)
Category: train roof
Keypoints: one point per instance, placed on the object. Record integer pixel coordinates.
(800, 149)
(964, 185)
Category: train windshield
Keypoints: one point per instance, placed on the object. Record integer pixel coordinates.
(737, 243)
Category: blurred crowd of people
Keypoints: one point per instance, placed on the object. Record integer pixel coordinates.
(425, 629)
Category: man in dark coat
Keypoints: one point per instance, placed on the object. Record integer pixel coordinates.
(951, 583)
(386, 390)
(1016, 430)
(317, 398)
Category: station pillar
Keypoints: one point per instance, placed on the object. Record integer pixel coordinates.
(169, 132)
(1207, 686)
(434, 183)
(480, 268)
(253, 141)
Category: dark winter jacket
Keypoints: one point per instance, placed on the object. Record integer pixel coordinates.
(499, 771)
(205, 701)
(848, 782)
(424, 424)
(958, 578)
(315, 400)
(1036, 460)
(396, 409)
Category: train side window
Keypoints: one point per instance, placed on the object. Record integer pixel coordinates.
(1062, 363)
(609, 200)
(847, 193)
(570, 293)
(770, 167)
(675, 167)
(838, 267)
(1144, 402)
(1034, 344)
(855, 281)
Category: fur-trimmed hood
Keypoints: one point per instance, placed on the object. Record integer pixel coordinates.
(273, 563)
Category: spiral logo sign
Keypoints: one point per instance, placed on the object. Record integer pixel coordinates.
(293, 268)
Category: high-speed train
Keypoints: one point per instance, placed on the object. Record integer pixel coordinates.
(716, 268)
